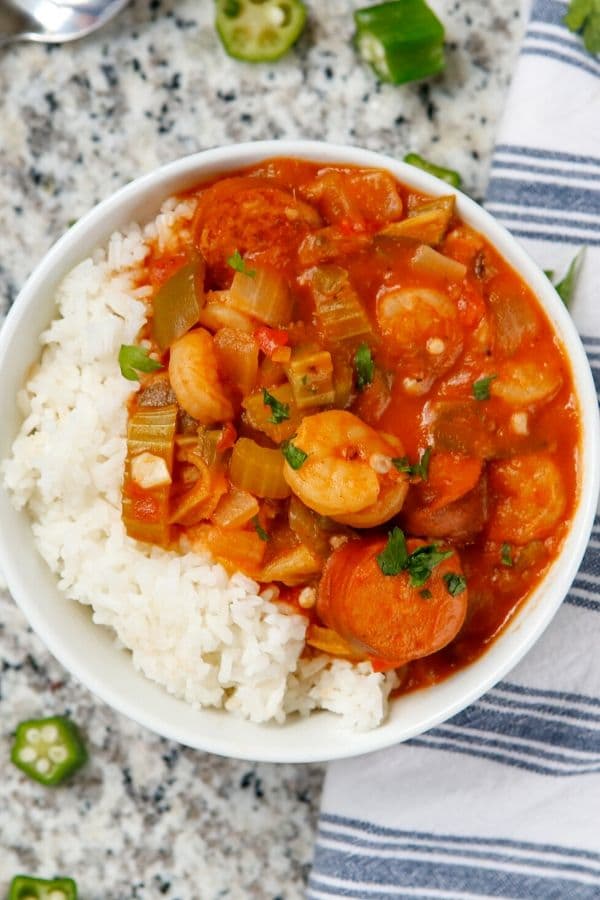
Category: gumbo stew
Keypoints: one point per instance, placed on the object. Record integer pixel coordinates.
(350, 396)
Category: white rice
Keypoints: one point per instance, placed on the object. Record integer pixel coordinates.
(208, 638)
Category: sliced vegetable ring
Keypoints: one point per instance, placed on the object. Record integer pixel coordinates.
(259, 30)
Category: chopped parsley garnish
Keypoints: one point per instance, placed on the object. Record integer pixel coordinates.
(236, 261)
(294, 455)
(425, 594)
(416, 470)
(280, 411)
(481, 387)
(455, 584)
(263, 535)
(584, 16)
(134, 359)
(423, 561)
(363, 366)
(506, 555)
(565, 288)
(395, 558)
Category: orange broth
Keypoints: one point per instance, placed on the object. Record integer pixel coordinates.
(424, 399)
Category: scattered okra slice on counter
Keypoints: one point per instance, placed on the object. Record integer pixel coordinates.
(402, 40)
(24, 887)
(259, 32)
(48, 750)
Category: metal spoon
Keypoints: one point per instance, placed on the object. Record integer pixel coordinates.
(53, 21)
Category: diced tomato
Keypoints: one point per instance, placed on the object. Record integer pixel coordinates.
(228, 437)
(162, 268)
(271, 339)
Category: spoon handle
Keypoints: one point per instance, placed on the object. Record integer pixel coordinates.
(14, 24)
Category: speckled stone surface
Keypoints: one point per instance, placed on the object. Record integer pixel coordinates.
(147, 818)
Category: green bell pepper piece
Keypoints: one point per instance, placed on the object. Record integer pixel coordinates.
(177, 304)
(24, 887)
(48, 750)
(402, 40)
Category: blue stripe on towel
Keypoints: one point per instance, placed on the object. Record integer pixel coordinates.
(386, 862)
(370, 874)
(521, 690)
(563, 58)
(551, 217)
(553, 155)
(565, 175)
(463, 840)
(545, 194)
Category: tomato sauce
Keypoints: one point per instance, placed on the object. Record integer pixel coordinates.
(468, 398)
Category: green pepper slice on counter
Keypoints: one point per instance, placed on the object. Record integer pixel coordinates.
(448, 175)
(259, 31)
(48, 750)
(24, 887)
(402, 40)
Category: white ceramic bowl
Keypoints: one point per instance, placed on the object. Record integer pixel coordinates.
(89, 651)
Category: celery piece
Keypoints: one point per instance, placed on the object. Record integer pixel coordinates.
(402, 40)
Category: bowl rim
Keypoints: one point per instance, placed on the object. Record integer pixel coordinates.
(468, 684)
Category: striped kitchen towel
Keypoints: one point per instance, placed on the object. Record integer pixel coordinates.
(503, 800)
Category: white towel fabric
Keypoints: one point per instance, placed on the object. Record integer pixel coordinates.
(504, 799)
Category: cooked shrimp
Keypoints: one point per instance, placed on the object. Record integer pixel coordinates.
(532, 498)
(348, 473)
(421, 325)
(526, 383)
(195, 380)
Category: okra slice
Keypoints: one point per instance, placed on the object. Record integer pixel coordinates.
(402, 40)
(24, 887)
(259, 30)
(48, 750)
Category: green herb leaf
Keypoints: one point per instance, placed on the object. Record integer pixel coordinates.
(584, 16)
(394, 556)
(418, 470)
(425, 594)
(134, 359)
(448, 175)
(263, 535)
(423, 561)
(280, 411)
(236, 261)
(455, 584)
(294, 455)
(506, 555)
(565, 288)
(549, 273)
(363, 366)
(481, 387)
(402, 464)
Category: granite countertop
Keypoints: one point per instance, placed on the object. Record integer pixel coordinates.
(147, 818)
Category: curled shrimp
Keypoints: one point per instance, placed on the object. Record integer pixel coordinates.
(421, 326)
(195, 378)
(348, 473)
(531, 498)
(527, 383)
